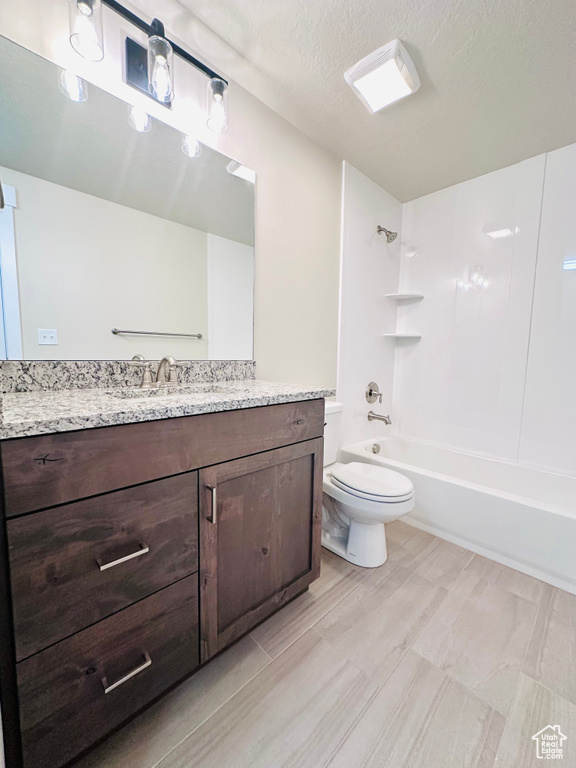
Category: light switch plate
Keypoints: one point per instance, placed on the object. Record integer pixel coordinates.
(47, 336)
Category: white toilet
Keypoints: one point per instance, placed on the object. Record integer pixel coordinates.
(358, 499)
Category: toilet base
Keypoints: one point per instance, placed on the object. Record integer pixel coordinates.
(365, 545)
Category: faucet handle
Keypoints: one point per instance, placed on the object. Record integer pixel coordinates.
(373, 393)
(139, 361)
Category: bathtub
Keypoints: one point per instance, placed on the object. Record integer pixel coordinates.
(521, 517)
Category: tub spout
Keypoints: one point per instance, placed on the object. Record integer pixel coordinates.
(377, 417)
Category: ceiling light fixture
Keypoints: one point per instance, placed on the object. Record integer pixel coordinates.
(73, 86)
(237, 169)
(383, 76)
(149, 69)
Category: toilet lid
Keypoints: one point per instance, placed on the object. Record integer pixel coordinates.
(379, 482)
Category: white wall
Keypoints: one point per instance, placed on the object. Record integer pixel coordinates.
(370, 269)
(86, 265)
(230, 299)
(297, 190)
(549, 422)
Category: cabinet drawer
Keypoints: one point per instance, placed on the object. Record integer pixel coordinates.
(73, 693)
(47, 470)
(73, 565)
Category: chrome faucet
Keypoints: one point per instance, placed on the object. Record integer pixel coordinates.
(376, 417)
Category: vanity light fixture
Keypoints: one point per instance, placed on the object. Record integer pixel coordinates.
(73, 86)
(383, 76)
(160, 65)
(569, 263)
(217, 105)
(150, 69)
(191, 146)
(86, 28)
(237, 169)
(139, 120)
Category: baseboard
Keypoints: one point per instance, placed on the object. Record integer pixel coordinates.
(555, 581)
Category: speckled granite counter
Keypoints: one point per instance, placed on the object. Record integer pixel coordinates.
(41, 412)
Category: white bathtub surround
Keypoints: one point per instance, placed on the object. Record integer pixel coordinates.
(471, 250)
(514, 515)
(548, 437)
(370, 269)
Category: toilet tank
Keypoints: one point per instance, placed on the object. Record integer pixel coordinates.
(332, 417)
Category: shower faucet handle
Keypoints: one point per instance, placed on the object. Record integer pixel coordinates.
(373, 393)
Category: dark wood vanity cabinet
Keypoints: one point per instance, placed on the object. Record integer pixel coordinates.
(132, 554)
(260, 520)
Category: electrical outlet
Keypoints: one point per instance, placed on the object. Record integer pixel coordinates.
(47, 336)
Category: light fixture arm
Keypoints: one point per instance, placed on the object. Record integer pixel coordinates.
(157, 28)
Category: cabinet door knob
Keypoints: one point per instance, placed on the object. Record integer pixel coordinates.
(212, 518)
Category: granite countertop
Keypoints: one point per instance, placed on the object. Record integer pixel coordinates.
(36, 413)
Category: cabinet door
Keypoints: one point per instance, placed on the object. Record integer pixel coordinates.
(260, 525)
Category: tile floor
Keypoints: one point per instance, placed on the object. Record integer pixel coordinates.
(438, 659)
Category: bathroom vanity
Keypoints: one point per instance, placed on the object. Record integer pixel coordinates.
(133, 553)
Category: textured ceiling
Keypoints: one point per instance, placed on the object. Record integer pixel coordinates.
(498, 77)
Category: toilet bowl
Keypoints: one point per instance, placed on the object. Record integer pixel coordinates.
(358, 500)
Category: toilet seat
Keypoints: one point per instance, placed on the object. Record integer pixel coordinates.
(372, 483)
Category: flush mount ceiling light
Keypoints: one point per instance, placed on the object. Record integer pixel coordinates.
(383, 76)
(237, 169)
(150, 68)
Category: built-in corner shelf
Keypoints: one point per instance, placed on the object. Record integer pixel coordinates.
(407, 296)
(413, 336)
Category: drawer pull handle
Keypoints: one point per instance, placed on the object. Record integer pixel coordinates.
(212, 518)
(118, 683)
(142, 551)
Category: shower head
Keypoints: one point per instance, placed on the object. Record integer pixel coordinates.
(390, 236)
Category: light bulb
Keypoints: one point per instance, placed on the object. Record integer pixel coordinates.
(86, 28)
(191, 146)
(73, 86)
(218, 105)
(160, 58)
(140, 120)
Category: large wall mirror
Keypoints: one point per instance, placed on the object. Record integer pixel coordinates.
(105, 227)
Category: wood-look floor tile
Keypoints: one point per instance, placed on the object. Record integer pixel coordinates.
(444, 563)
(337, 579)
(374, 627)
(534, 708)
(397, 534)
(289, 716)
(421, 718)
(506, 578)
(480, 636)
(551, 657)
(148, 738)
